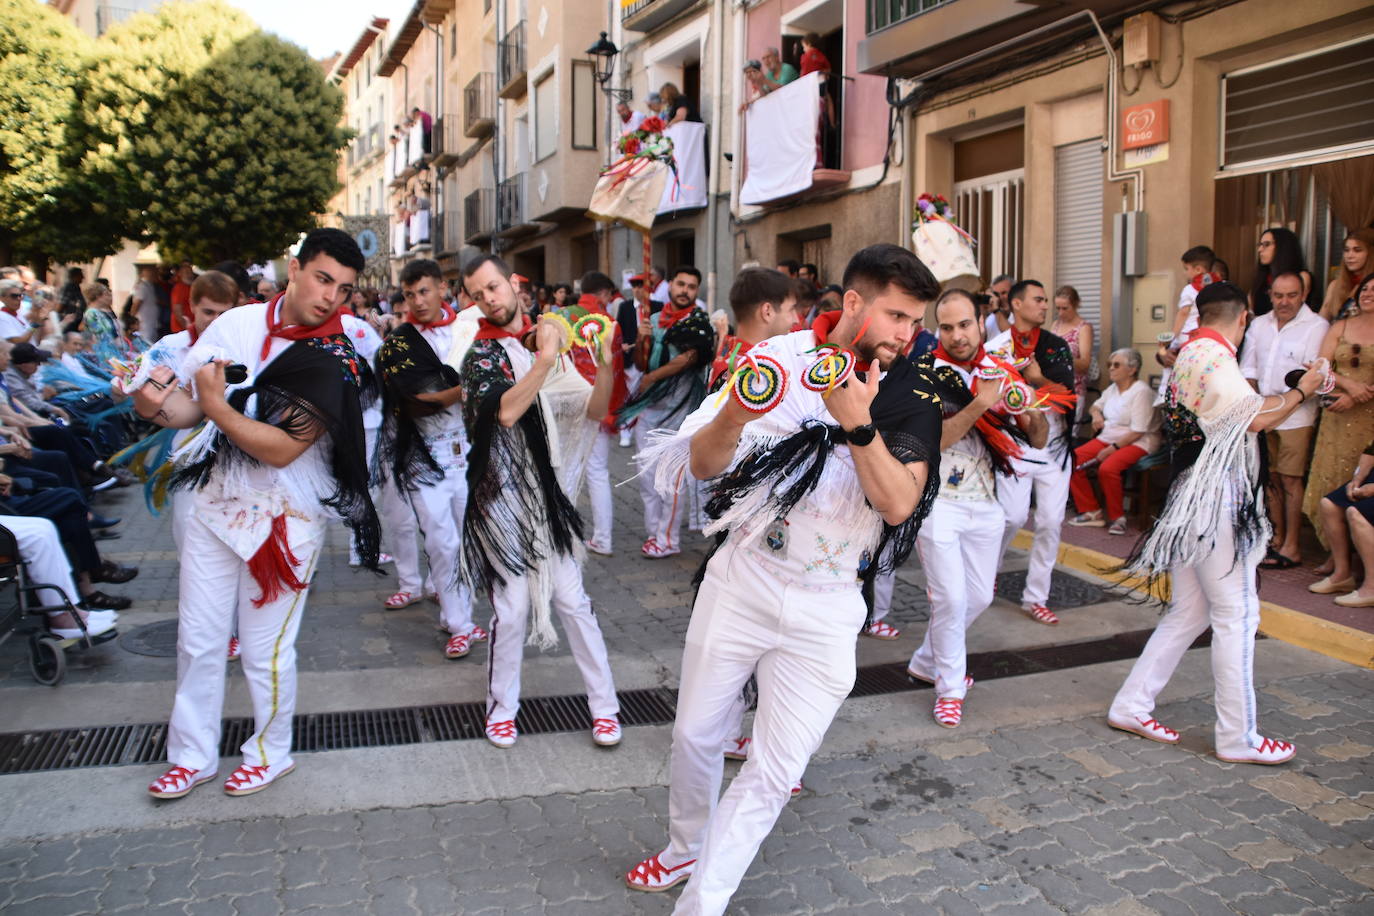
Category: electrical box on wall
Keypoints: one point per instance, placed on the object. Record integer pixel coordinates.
(1140, 40)
(1153, 315)
(1130, 241)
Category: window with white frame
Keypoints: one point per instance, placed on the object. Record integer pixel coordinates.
(545, 103)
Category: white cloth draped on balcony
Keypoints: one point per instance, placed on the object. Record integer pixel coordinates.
(780, 141)
(398, 237)
(415, 144)
(689, 151)
(419, 227)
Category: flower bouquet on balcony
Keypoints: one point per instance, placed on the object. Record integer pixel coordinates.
(945, 248)
(631, 188)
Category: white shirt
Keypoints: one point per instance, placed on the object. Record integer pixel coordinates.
(1271, 352)
(11, 325)
(1130, 411)
(146, 297)
(632, 125)
(447, 424)
(1187, 299)
(966, 467)
(74, 365)
(1002, 343)
(660, 293)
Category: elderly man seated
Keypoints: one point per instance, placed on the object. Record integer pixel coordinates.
(40, 547)
(1127, 430)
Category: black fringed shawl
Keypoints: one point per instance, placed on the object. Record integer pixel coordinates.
(1055, 359)
(906, 411)
(691, 333)
(317, 383)
(499, 527)
(410, 367)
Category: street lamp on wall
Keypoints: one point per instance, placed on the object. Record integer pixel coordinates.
(603, 55)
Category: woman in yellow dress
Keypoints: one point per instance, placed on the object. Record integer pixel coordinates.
(1347, 425)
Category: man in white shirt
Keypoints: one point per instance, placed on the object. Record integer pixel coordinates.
(630, 120)
(1279, 341)
(145, 306)
(14, 327)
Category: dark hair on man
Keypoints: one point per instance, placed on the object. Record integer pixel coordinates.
(335, 243)
(595, 282)
(954, 292)
(421, 269)
(792, 265)
(1000, 278)
(1220, 302)
(686, 269)
(754, 286)
(239, 274)
(873, 269)
(1287, 273)
(805, 291)
(216, 287)
(1200, 255)
(75, 275)
(812, 38)
(1221, 269)
(471, 267)
(815, 271)
(1018, 290)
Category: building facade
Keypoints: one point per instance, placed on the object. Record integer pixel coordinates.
(1091, 142)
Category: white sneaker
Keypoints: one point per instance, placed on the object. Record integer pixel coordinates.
(606, 731)
(1269, 753)
(501, 734)
(97, 623)
(250, 778)
(653, 876)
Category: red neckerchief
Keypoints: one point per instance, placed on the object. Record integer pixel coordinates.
(1023, 349)
(824, 324)
(669, 316)
(446, 318)
(332, 325)
(592, 304)
(488, 331)
(13, 311)
(941, 353)
(1204, 279)
(1209, 334)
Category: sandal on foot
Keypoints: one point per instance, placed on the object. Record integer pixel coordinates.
(400, 600)
(1146, 728)
(949, 711)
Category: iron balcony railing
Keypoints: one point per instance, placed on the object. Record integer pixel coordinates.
(479, 215)
(510, 63)
(479, 105)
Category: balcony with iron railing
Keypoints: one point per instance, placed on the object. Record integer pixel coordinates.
(447, 142)
(510, 63)
(479, 106)
(479, 215)
(646, 15)
(449, 233)
(512, 198)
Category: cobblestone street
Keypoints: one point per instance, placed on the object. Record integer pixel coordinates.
(1034, 804)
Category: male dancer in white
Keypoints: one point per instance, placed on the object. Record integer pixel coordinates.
(266, 482)
(959, 542)
(1212, 533)
(814, 476)
(597, 290)
(425, 446)
(1043, 358)
(522, 536)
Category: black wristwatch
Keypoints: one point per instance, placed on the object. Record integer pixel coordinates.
(862, 435)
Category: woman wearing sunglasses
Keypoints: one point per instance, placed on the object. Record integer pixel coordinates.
(1347, 424)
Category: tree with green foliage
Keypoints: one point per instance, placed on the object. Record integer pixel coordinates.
(207, 135)
(42, 212)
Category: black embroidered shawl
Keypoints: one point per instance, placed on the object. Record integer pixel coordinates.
(410, 367)
(692, 332)
(512, 485)
(318, 383)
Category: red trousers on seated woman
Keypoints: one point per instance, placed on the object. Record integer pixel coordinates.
(1108, 474)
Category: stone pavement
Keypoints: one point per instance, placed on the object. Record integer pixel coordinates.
(1060, 817)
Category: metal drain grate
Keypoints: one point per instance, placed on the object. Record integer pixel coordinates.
(119, 745)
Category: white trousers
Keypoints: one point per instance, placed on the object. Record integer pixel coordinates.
(509, 620)
(398, 525)
(800, 643)
(958, 545)
(883, 585)
(1220, 593)
(214, 581)
(599, 486)
(1050, 483)
(41, 548)
(662, 517)
(439, 509)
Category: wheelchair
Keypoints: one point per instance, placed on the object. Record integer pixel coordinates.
(47, 651)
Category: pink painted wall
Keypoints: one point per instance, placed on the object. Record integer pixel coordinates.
(865, 102)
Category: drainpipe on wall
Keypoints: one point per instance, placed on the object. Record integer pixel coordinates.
(717, 37)
(498, 143)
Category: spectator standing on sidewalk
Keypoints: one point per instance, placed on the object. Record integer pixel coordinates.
(1287, 338)
(1279, 252)
(1347, 423)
